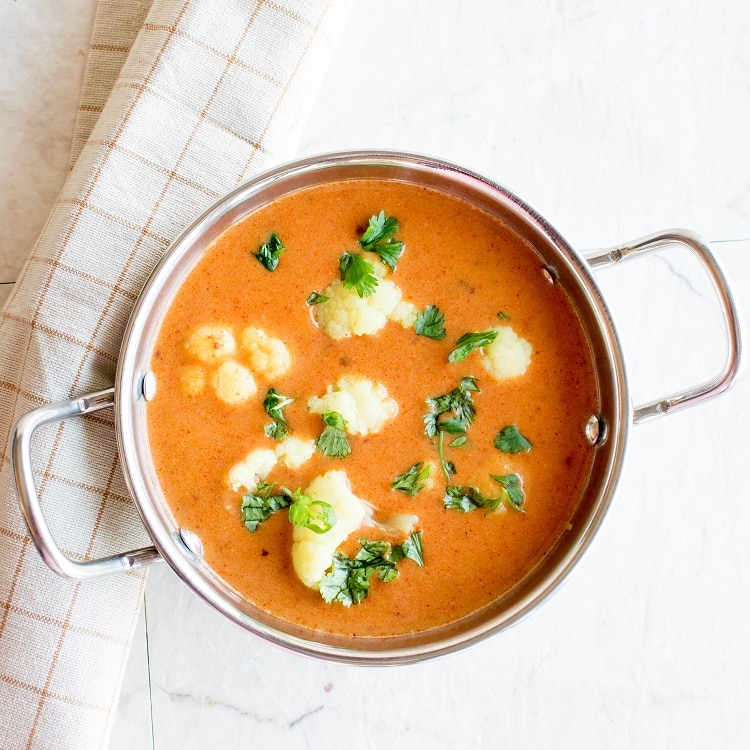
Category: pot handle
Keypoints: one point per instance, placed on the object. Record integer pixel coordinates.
(728, 375)
(28, 498)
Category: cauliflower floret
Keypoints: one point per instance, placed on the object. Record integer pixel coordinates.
(401, 523)
(405, 314)
(293, 452)
(508, 355)
(233, 383)
(254, 468)
(268, 356)
(364, 405)
(211, 343)
(192, 380)
(312, 553)
(346, 314)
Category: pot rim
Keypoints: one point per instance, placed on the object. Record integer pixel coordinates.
(130, 400)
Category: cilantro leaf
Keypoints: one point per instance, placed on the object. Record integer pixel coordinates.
(469, 384)
(454, 426)
(412, 481)
(348, 581)
(316, 299)
(378, 238)
(459, 401)
(258, 507)
(333, 441)
(316, 515)
(470, 341)
(381, 228)
(276, 430)
(460, 404)
(503, 316)
(269, 252)
(411, 548)
(341, 584)
(510, 440)
(430, 323)
(357, 273)
(467, 498)
(511, 484)
(274, 403)
(389, 253)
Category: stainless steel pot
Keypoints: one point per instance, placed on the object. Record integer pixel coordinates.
(608, 430)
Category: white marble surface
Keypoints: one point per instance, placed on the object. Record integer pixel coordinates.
(613, 119)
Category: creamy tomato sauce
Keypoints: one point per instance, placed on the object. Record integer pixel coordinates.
(471, 266)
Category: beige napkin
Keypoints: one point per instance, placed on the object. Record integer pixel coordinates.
(212, 92)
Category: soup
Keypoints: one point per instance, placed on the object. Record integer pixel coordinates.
(460, 382)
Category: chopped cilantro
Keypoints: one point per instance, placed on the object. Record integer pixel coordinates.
(357, 273)
(412, 481)
(458, 403)
(503, 316)
(467, 498)
(511, 483)
(316, 299)
(348, 581)
(274, 403)
(332, 441)
(411, 549)
(470, 341)
(258, 507)
(316, 515)
(269, 252)
(510, 440)
(430, 323)
(378, 238)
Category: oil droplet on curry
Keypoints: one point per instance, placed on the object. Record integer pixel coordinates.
(370, 408)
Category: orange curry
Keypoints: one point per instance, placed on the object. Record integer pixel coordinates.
(472, 267)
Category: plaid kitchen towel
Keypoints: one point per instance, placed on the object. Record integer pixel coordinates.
(182, 100)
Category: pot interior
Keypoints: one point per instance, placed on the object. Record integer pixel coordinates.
(608, 428)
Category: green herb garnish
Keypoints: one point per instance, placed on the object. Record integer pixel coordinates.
(470, 341)
(503, 316)
(413, 480)
(269, 252)
(258, 507)
(411, 549)
(511, 483)
(274, 403)
(357, 273)
(467, 498)
(348, 581)
(316, 299)
(438, 421)
(459, 402)
(510, 440)
(316, 515)
(378, 238)
(332, 441)
(430, 323)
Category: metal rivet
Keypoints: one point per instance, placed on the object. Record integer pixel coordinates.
(191, 542)
(148, 386)
(596, 430)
